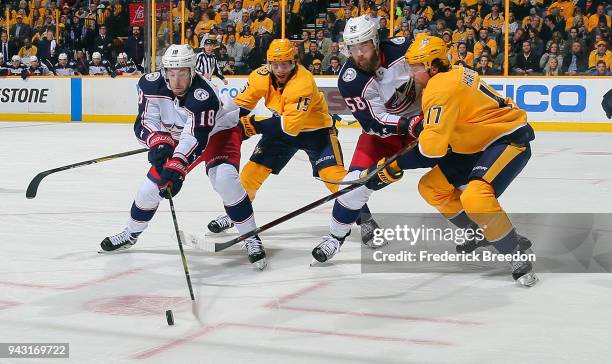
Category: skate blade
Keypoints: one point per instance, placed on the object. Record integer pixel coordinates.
(316, 263)
(528, 280)
(261, 264)
(118, 250)
(370, 244)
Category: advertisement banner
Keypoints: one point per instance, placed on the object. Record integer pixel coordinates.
(137, 12)
(34, 95)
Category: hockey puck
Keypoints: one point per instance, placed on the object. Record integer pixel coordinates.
(169, 317)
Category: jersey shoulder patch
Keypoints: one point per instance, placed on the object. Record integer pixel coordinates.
(398, 40)
(263, 71)
(201, 94)
(349, 74)
(352, 81)
(153, 84)
(152, 77)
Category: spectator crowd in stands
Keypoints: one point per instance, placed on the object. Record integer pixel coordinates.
(95, 36)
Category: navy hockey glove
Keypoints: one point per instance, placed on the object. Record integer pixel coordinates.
(161, 146)
(172, 177)
(411, 126)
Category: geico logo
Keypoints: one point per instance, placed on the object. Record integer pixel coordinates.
(542, 98)
(232, 91)
(24, 95)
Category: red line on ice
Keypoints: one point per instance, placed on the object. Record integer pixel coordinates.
(76, 285)
(292, 296)
(8, 304)
(376, 315)
(174, 343)
(148, 353)
(343, 334)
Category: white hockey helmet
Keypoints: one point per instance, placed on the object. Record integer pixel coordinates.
(121, 56)
(179, 56)
(96, 55)
(1, 55)
(359, 30)
(16, 58)
(62, 56)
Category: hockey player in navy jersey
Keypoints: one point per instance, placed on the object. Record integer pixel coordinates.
(36, 69)
(183, 121)
(125, 66)
(63, 67)
(376, 85)
(99, 66)
(16, 68)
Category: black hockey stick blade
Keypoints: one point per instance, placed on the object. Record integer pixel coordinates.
(33, 186)
(222, 246)
(363, 180)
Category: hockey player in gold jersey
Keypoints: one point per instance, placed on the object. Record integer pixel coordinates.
(301, 121)
(479, 139)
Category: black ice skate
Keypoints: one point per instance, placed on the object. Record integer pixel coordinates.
(257, 254)
(123, 240)
(522, 269)
(367, 234)
(220, 224)
(327, 248)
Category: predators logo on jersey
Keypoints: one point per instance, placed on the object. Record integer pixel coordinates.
(300, 103)
(465, 113)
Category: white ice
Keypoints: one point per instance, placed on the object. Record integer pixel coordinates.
(54, 287)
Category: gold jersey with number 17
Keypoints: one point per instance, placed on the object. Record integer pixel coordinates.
(465, 113)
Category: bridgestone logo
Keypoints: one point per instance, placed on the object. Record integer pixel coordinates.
(23, 95)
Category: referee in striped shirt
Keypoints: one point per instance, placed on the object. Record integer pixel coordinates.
(207, 65)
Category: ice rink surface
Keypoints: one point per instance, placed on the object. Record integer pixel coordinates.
(54, 287)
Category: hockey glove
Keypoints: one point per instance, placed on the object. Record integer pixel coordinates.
(172, 177)
(411, 126)
(247, 124)
(392, 173)
(161, 146)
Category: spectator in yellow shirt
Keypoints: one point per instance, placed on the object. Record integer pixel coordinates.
(245, 21)
(205, 24)
(246, 38)
(601, 53)
(599, 16)
(460, 56)
(28, 50)
(578, 20)
(484, 41)
(424, 10)
(460, 34)
(494, 20)
(566, 8)
(263, 24)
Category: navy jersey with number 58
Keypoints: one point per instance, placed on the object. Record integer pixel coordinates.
(378, 100)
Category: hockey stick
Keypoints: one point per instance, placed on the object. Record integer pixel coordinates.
(33, 186)
(194, 308)
(363, 180)
(217, 247)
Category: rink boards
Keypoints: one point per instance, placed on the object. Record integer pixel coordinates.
(552, 103)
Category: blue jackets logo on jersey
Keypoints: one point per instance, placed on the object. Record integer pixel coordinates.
(349, 75)
(201, 94)
(152, 76)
